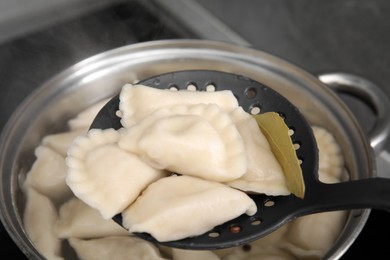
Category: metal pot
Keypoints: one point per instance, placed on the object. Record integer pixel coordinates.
(48, 109)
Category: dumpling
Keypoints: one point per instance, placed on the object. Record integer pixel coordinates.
(104, 176)
(137, 101)
(177, 207)
(198, 140)
(267, 247)
(264, 173)
(77, 219)
(47, 175)
(276, 254)
(84, 119)
(183, 254)
(39, 220)
(115, 247)
(311, 235)
(60, 142)
(331, 161)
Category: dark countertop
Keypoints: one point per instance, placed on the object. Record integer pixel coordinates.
(319, 36)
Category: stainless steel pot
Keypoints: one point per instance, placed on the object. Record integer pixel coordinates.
(47, 110)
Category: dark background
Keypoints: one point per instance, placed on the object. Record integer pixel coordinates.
(320, 36)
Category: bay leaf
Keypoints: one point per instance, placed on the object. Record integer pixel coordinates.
(276, 131)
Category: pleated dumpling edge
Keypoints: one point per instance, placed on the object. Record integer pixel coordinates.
(104, 176)
(137, 101)
(198, 140)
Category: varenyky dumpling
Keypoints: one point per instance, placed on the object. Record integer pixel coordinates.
(264, 173)
(198, 140)
(47, 175)
(270, 246)
(115, 247)
(177, 207)
(332, 161)
(104, 176)
(273, 253)
(61, 142)
(39, 218)
(310, 236)
(185, 254)
(137, 101)
(84, 119)
(77, 219)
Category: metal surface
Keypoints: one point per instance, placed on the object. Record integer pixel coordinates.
(372, 95)
(61, 98)
(378, 101)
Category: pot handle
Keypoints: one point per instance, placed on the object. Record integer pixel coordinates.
(369, 93)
